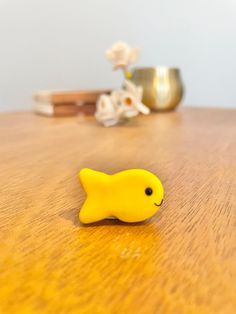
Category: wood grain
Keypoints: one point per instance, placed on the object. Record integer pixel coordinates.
(181, 261)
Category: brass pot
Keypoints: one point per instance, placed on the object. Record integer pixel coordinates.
(162, 87)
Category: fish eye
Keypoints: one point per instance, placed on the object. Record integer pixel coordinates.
(148, 191)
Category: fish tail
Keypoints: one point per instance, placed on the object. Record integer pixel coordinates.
(95, 186)
(91, 212)
(92, 180)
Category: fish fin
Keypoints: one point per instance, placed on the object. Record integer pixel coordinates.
(91, 212)
(95, 184)
(93, 181)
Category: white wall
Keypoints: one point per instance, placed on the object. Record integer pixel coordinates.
(58, 44)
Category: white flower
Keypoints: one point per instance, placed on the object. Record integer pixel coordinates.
(121, 55)
(122, 104)
(105, 111)
(137, 94)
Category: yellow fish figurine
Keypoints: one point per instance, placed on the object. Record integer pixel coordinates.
(131, 195)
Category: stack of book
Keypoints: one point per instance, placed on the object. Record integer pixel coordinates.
(66, 103)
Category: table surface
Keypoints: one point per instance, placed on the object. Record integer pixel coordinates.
(183, 260)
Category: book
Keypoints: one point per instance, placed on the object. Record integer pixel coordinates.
(86, 108)
(66, 103)
(57, 97)
(62, 110)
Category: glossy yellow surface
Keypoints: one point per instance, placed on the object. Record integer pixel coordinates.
(131, 195)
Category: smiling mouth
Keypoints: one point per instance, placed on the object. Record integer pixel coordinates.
(159, 204)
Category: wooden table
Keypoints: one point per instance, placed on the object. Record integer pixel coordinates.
(181, 261)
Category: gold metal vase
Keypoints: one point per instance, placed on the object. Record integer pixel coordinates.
(162, 87)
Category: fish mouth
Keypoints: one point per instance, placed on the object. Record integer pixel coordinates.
(159, 204)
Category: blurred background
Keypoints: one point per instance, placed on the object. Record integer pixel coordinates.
(58, 44)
